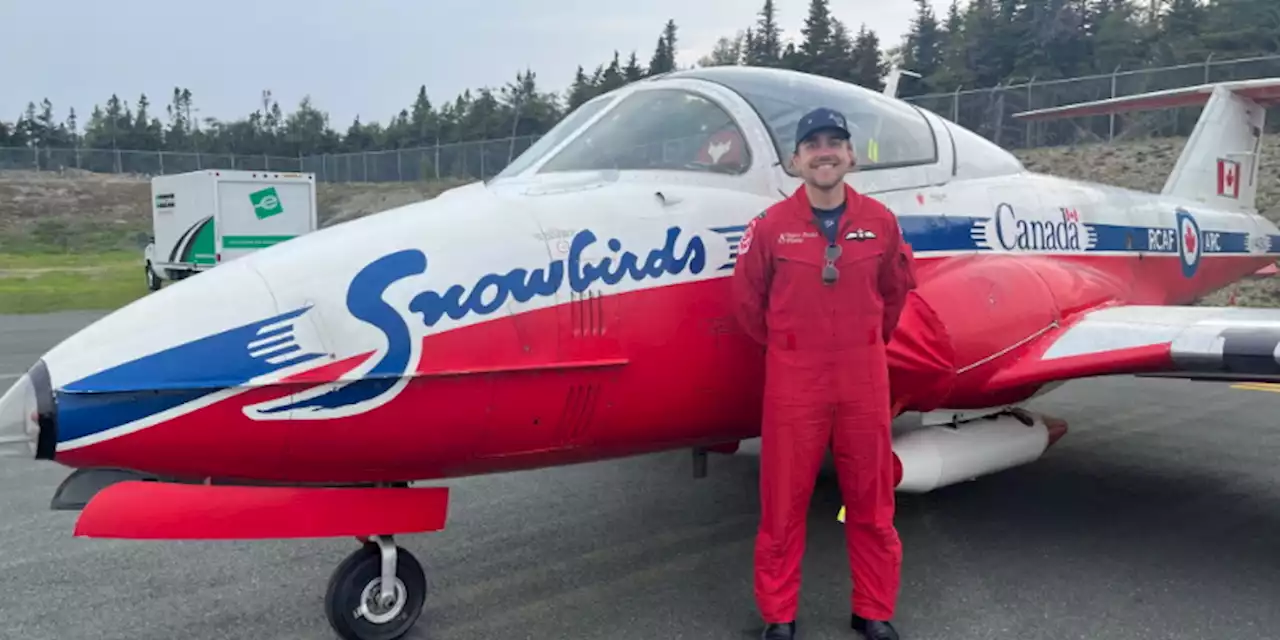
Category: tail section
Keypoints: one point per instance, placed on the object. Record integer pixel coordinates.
(1219, 165)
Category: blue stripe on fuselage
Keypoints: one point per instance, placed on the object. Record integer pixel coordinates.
(936, 233)
(732, 235)
(940, 233)
(166, 379)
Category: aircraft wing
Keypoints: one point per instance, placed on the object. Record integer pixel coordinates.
(1198, 343)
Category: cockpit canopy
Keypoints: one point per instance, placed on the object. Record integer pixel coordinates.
(885, 132)
(674, 129)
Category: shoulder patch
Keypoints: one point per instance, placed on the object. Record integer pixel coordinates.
(896, 220)
(744, 244)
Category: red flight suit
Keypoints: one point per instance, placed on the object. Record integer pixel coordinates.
(826, 384)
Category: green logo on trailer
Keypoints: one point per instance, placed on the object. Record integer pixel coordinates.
(266, 203)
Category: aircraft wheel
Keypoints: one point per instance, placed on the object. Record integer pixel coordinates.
(153, 281)
(354, 603)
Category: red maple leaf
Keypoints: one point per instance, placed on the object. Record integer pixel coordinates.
(1190, 239)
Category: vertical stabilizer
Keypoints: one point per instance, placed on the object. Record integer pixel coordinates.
(1219, 164)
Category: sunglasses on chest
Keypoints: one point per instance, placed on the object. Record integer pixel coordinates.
(829, 271)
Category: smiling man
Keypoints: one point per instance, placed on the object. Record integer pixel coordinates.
(820, 282)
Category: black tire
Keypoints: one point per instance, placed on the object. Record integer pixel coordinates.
(153, 281)
(363, 569)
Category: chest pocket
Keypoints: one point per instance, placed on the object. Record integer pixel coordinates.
(861, 254)
(812, 253)
(857, 287)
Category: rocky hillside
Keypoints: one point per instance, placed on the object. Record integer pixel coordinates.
(1144, 166)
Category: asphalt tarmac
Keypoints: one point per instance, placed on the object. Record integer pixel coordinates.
(1157, 516)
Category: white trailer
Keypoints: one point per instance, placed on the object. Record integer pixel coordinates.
(203, 218)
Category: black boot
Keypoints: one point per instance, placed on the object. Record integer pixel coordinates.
(779, 631)
(873, 629)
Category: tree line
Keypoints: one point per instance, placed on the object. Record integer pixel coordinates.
(979, 44)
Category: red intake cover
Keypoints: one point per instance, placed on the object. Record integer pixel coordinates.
(169, 511)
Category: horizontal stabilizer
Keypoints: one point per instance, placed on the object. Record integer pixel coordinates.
(1209, 343)
(1265, 91)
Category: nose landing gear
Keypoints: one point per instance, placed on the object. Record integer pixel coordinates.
(376, 593)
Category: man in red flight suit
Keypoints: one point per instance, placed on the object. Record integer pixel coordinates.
(820, 281)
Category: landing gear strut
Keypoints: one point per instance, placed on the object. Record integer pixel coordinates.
(376, 593)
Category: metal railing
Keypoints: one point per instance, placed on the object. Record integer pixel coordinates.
(988, 112)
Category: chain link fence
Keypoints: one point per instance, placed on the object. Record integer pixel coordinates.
(139, 163)
(463, 160)
(989, 112)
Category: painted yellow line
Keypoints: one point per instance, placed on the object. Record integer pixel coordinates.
(1258, 386)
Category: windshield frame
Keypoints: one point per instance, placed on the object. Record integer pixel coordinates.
(607, 102)
(717, 75)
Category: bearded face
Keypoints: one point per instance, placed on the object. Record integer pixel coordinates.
(824, 158)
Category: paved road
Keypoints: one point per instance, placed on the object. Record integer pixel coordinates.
(1156, 517)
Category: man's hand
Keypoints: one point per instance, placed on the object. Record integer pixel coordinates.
(752, 274)
(897, 279)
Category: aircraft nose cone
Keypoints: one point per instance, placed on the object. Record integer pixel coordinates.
(19, 422)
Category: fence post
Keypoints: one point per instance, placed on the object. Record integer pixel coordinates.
(1111, 131)
(955, 105)
(1026, 142)
(1208, 62)
(998, 91)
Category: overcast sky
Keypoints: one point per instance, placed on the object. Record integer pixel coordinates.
(354, 57)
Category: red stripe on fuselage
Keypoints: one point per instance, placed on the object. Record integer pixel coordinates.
(328, 372)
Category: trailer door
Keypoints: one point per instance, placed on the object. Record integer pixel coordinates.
(255, 214)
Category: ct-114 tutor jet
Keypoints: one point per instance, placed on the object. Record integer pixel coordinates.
(577, 307)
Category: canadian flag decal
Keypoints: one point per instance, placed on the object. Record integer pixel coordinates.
(1228, 178)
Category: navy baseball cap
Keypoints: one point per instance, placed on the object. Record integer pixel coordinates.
(818, 120)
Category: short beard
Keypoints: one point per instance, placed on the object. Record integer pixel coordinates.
(839, 180)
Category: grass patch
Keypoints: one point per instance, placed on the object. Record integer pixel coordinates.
(69, 260)
(42, 283)
(62, 237)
